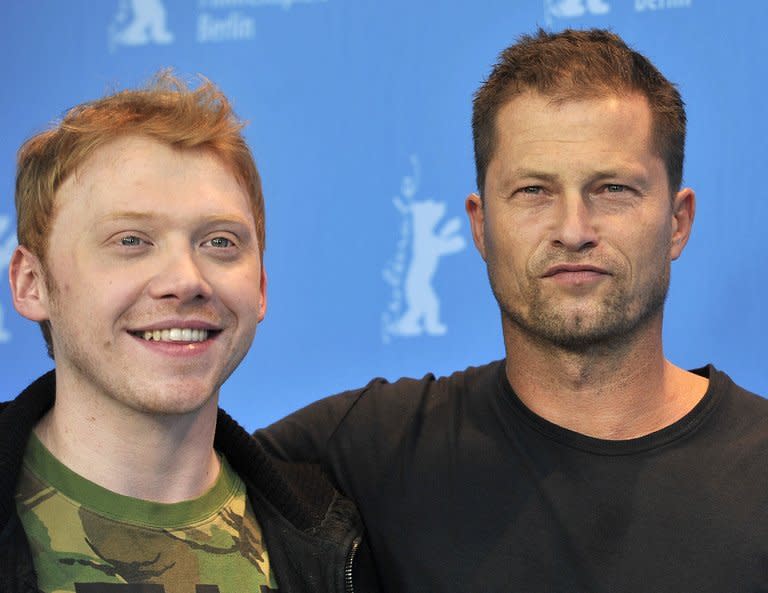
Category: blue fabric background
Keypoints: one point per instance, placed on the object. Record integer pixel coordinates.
(355, 102)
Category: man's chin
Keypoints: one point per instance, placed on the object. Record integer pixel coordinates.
(576, 331)
(171, 399)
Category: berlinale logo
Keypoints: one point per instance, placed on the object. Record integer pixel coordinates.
(139, 22)
(414, 307)
(574, 8)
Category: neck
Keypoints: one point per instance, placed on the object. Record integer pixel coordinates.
(162, 458)
(609, 391)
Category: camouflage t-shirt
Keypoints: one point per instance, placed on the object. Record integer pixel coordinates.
(86, 539)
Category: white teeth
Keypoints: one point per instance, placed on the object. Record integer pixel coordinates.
(176, 334)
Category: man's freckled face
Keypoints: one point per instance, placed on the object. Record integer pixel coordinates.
(146, 237)
(576, 219)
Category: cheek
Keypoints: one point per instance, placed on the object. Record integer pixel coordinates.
(513, 255)
(239, 291)
(644, 252)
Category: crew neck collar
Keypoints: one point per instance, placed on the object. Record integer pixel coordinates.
(41, 462)
(609, 447)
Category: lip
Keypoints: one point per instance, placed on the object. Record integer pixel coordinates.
(584, 270)
(177, 349)
(180, 323)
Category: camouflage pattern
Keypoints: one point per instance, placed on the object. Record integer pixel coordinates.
(79, 550)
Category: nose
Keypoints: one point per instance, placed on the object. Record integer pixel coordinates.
(180, 277)
(573, 228)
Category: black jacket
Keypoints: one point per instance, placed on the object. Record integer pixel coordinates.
(312, 533)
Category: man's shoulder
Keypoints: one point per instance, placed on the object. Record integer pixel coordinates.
(744, 412)
(722, 384)
(381, 397)
(18, 416)
(41, 388)
(378, 412)
(473, 377)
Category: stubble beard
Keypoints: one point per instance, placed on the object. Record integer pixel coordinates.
(604, 324)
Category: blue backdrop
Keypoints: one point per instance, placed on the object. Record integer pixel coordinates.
(360, 124)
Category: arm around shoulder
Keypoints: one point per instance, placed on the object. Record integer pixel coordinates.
(304, 435)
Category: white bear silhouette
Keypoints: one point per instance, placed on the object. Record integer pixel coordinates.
(427, 247)
(148, 24)
(574, 8)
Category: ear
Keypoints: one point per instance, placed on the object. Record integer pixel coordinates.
(683, 212)
(476, 213)
(27, 278)
(262, 294)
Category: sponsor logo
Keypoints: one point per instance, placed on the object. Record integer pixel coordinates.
(7, 245)
(233, 26)
(643, 5)
(285, 4)
(144, 22)
(139, 22)
(560, 9)
(225, 20)
(414, 306)
(570, 9)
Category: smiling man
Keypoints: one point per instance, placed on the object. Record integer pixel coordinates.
(141, 233)
(585, 461)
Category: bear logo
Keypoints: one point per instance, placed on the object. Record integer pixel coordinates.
(575, 8)
(414, 309)
(147, 25)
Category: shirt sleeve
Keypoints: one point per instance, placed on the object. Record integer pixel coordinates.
(305, 435)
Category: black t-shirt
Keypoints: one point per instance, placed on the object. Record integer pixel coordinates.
(462, 488)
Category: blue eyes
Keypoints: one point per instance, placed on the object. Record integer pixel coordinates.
(134, 241)
(611, 188)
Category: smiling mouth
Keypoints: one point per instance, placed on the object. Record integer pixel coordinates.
(175, 334)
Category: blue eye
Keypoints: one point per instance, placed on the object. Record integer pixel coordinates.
(131, 241)
(221, 242)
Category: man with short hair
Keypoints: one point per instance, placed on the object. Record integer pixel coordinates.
(585, 461)
(141, 233)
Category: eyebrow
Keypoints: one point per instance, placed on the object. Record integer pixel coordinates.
(126, 215)
(532, 173)
(636, 175)
(129, 215)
